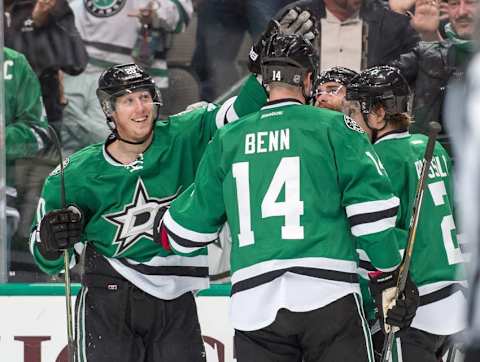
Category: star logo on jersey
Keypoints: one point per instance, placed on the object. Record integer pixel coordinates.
(350, 123)
(104, 8)
(136, 219)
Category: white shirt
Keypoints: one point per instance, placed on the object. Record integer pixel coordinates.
(341, 42)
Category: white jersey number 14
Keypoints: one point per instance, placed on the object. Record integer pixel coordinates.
(287, 174)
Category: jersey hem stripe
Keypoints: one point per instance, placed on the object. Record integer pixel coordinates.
(311, 272)
(248, 272)
(181, 271)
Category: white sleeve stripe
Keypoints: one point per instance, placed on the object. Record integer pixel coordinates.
(372, 206)
(179, 248)
(373, 227)
(185, 233)
(387, 270)
(222, 112)
(38, 138)
(232, 115)
(362, 255)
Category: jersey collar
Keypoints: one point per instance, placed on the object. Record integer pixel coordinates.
(395, 134)
(282, 102)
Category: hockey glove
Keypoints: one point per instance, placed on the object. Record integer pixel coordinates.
(159, 231)
(396, 313)
(60, 230)
(287, 21)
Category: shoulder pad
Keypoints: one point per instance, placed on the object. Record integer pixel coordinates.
(350, 123)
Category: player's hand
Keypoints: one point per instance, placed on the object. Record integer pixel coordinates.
(159, 231)
(60, 229)
(287, 21)
(393, 313)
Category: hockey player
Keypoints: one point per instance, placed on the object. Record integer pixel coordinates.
(294, 182)
(136, 302)
(437, 262)
(115, 189)
(332, 88)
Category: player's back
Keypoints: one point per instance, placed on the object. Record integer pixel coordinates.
(437, 254)
(282, 187)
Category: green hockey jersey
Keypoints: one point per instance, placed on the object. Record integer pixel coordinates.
(119, 202)
(296, 184)
(437, 261)
(26, 129)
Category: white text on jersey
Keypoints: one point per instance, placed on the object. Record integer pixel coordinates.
(438, 167)
(267, 141)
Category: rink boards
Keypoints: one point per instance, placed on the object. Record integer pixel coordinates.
(33, 323)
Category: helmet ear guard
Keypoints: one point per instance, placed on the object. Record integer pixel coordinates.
(288, 59)
(382, 85)
(283, 70)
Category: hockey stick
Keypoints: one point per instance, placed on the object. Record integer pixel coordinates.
(66, 257)
(412, 230)
(452, 352)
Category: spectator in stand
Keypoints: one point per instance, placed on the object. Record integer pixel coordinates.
(358, 34)
(83, 119)
(35, 28)
(418, 15)
(430, 65)
(131, 31)
(221, 28)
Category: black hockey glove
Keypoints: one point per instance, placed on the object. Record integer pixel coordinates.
(398, 313)
(159, 231)
(287, 21)
(60, 230)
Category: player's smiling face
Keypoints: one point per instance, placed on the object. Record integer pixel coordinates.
(134, 115)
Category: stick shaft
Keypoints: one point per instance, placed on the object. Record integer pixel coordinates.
(412, 230)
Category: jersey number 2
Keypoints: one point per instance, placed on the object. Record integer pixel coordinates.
(454, 254)
(287, 174)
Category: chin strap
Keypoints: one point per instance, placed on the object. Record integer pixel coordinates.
(309, 98)
(365, 110)
(116, 135)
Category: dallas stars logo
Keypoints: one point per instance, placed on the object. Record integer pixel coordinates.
(104, 8)
(136, 219)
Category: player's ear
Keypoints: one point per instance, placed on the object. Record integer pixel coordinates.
(379, 113)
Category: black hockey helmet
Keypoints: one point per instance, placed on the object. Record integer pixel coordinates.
(288, 59)
(383, 85)
(339, 75)
(122, 79)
